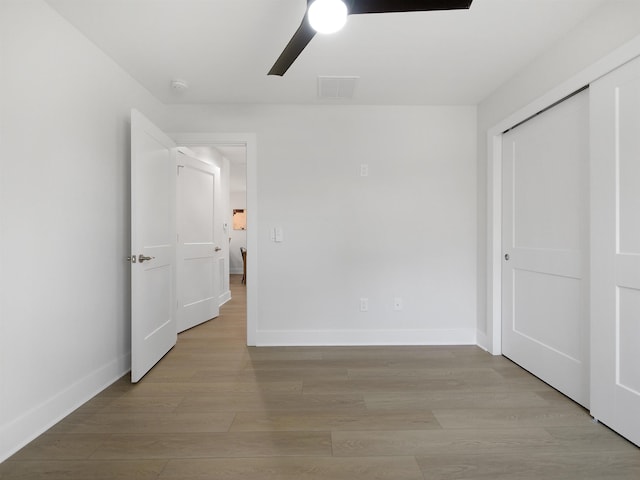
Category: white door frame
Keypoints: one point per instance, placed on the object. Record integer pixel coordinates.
(249, 140)
(491, 340)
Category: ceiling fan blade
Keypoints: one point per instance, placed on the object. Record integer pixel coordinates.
(305, 33)
(386, 6)
(298, 42)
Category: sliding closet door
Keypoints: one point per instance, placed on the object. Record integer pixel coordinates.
(545, 323)
(615, 250)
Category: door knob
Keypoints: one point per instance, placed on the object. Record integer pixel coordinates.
(142, 258)
(217, 249)
(506, 257)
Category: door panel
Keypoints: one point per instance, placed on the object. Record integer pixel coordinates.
(615, 257)
(198, 282)
(628, 146)
(546, 190)
(545, 322)
(629, 338)
(153, 173)
(545, 313)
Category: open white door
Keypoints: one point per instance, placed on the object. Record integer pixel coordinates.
(545, 324)
(199, 249)
(615, 250)
(153, 245)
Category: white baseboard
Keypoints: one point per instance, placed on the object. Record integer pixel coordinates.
(282, 338)
(236, 271)
(22, 430)
(224, 298)
(482, 340)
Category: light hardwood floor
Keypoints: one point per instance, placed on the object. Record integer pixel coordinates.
(215, 409)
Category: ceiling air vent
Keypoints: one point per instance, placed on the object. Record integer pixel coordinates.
(336, 87)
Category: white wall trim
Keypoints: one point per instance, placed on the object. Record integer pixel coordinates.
(482, 340)
(283, 338)
(224, 298)
(22, 430)
(608, 63)
(250, 141)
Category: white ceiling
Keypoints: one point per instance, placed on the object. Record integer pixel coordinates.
(224, 48)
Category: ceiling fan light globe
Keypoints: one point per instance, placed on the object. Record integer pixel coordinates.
(327, 16)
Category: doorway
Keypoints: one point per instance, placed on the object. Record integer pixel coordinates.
(236, 154)
(240, 151)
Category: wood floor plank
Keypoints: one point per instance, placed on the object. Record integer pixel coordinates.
(83, 470)
(590, 438)
(143, 404)
(320, 364)
(54, 446)
(332, 421)
(215, 386)
(377, 385)
(420, 401)
(512, 417)
(146, 423)
(284, 375)
(483, 360)
(424, 442)
(532, 466)
(168, 373)
(390, 353)
(554, 397)
(96, 404)
(288, 354)
(203, 360)
(210, 445)
(292, 468)
(296, 373)
(459, 373)
(242, 402)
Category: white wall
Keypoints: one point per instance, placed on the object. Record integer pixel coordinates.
(406, 230)
(64, 218)
(610, 27)
(238, 237)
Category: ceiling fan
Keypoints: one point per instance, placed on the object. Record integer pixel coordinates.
(306, 32)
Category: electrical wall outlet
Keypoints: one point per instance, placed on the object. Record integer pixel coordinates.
(397, 304)
(277, 234)
(364, 304)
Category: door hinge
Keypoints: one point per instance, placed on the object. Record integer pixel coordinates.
(179, 167)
